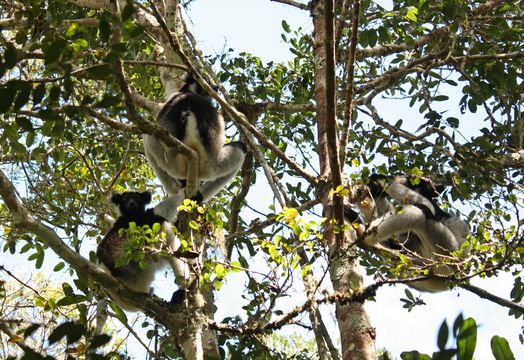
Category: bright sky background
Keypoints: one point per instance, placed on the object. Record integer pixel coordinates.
(254, 26)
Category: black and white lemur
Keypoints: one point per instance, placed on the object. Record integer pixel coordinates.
(190, 116)
(132, 208)
(405, 216)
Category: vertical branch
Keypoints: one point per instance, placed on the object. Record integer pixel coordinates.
(331, 114)
(348, 112)
(317, 11)
(322, 338)
(341, 21)
(246, 173)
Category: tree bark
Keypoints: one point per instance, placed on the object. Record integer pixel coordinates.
(356, 333)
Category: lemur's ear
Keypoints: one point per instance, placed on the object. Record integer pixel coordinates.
(146, 197)
(116, 199)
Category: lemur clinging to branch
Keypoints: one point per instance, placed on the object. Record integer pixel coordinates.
(416, 224)
(190, 117)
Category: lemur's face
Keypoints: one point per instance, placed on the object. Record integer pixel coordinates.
(358, 193)
(132, 202)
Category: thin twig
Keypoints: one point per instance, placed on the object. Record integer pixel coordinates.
(350, 81)
(341, 23)
(293, 3)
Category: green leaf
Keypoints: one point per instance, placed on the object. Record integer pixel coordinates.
(373, 37)
(38, 93)
(24, 123)
(54, 50)
(453, 122)
(286, 26)
(156, 228)
(414, 355)
(79, 45)
(10, 56)
(30, 138)
(441, 98)
(443, 335)
(220, 271)
(39, 260)
(24, 92)
(7, 95)
(104, 29)
(33, 355)
(99, 340)
(69, 329)
(457, 324)
(70, 300)
(108, 101)
(128, 11)
(59, 266)
(500, 348)
(54, 93)
(235, 266)
(467, 339)
(72, 29)
(30, 330)
(119, 313)
(472, 106)
(58, 128)
(194, 225)
(411, 14)
(100, 71)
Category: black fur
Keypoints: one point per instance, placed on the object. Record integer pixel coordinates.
(132, 206)
(430, 191)
(178, 296)
(178, 108)
(375, 187)
(351, 215)
(424, 187)
(190, 116)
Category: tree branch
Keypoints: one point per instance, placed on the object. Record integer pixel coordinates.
(155, 63)
(384, 50)
(92, 4)
(293, 3)
(21, 344)
(128, 128)
(7, 23)
(489, 296)
(331, 115)
(84, 21)
(350, 81)
(246, 173)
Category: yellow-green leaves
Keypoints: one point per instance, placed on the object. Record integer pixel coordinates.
(411, 14)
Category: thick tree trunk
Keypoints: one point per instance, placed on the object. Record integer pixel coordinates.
(356, 332)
